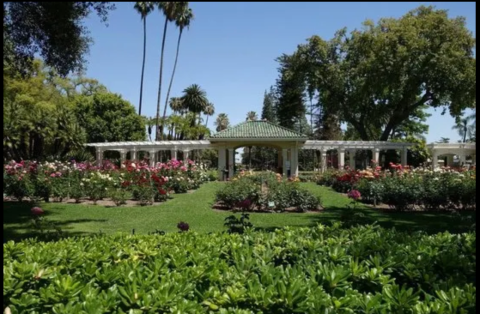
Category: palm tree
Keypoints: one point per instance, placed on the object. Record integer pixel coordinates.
(184, 15)
(176, 105)
(463, 127)
(252, 116)
(209, 111)
(144, 8)
(222, 122)
(169, 9)
(195, 100)
(444, 140)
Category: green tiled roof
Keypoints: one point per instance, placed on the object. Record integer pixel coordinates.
(258, 130)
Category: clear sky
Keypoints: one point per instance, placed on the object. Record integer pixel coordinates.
(230, 49)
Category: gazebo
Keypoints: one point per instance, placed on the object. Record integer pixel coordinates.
(254, 133)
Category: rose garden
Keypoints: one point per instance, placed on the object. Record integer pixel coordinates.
(331, 202)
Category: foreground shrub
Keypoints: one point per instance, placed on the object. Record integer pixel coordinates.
(304, 270)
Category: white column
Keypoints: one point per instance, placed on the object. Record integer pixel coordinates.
(341, 158)
(99, 152)
(185, 155)
(449, 160)
(376, 155)
(152, 158)
(434, 160)
(231, 163)
(222, 158)
(404, 154)
(324, 160)
(174, 154)
(134, 154)
(123, 156)
(352, 159)
(284, 161)
(462, 159)
(294, 163)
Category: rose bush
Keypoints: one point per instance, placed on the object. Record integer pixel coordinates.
(403, 188)
(59, 181)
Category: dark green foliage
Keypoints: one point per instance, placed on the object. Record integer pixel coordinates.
(380, 77)
(54, 30)
(306, 270)
(238, 225)
(109, 118)
(290, 89)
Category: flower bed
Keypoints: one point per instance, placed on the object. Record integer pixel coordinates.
(266, 191)
(303, 270)
(404, 189)
(79, 181)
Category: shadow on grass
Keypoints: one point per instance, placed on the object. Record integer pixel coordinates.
(17, 222)
(429, 222)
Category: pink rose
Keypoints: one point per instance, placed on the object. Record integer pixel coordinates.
(37, 211)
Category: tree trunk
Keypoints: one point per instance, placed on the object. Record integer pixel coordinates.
(206, 123)
(173, 74)
(143, 63)
(159, 130)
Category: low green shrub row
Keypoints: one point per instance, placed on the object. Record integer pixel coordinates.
(428, 192)
(406, 189)
(305, 270)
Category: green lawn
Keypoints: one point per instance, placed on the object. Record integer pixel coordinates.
(196, 209)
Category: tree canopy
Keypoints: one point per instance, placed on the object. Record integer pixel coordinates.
(378, 77)
(47, 116)
(53, 30)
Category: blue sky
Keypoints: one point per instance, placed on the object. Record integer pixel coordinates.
(230, 49)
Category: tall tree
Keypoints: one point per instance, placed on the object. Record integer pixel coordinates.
(195, 100)
(144, 9)
(252, 116)
(290, 89)
(209, 111)
(377, 77)
(52, 30)
(176, 104)
(464, 128)
(222, 122)
(268, 109)
(183, 17)
(169, 10)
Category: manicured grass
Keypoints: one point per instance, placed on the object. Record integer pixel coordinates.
(196, 210)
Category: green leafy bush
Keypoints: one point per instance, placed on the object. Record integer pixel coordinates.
(303, 270)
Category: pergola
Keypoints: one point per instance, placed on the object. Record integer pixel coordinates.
(254, 133)
(462, 150)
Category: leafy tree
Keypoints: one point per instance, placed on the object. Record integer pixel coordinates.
(109, 118)
(413, 126)
(183, 17)
(378, 77)
(52, 30)
(252, 116)
(144, 9)
(222, 122)
(444, 140)
(38, 119)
